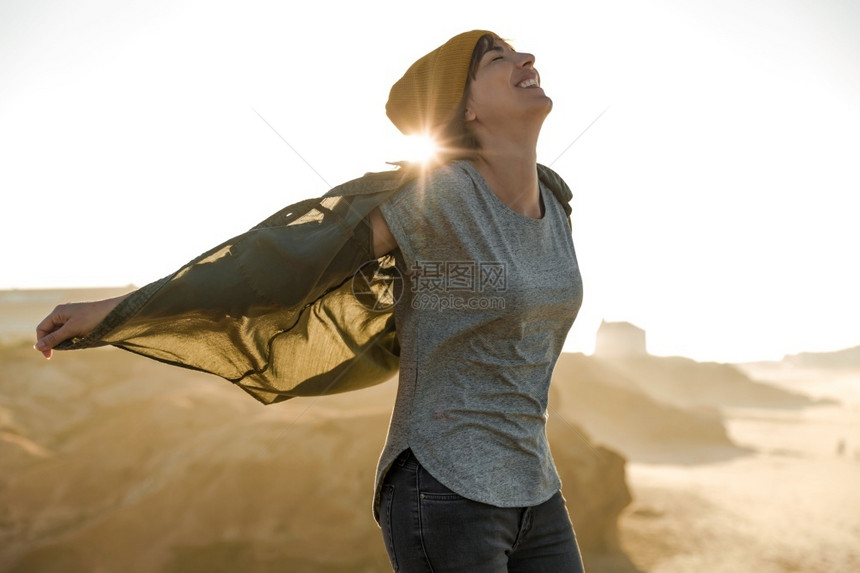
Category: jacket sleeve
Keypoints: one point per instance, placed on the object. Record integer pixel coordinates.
(558, 187)
(273, 309)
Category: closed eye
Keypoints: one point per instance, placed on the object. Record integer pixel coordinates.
(497, 54)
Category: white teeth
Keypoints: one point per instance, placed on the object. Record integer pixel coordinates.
(528, 83)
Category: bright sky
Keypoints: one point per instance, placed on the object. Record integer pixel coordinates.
(715, 202)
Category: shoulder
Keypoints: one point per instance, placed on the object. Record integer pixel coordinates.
(454, 173)
(436, 184)
(406, 176)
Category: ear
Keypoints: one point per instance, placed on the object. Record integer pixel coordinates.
(469, 115)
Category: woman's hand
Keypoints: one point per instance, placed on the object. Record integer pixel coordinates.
(70, 320)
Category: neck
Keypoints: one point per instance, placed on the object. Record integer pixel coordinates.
(509, 166)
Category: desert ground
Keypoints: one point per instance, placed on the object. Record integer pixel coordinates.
(112, 462)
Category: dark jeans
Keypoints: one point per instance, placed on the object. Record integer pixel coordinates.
(427, 527)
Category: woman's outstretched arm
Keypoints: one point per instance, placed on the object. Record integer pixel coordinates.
(70, 320)
(79, 319)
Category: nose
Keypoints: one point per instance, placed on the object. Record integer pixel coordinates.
(526, 60)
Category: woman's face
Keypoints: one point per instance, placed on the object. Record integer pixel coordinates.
(506, 87)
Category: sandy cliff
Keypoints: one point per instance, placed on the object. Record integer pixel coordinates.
(619, 413)
(685, 383)
(109, 459)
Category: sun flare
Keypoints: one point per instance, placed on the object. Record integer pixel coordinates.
(420, 148)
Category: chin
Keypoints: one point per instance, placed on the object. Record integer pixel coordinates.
(547, 106)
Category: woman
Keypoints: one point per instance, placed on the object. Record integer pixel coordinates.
(466, 481)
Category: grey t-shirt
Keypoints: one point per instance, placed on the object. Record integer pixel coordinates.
(489, 297)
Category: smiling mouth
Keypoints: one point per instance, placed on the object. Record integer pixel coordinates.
(529, 83)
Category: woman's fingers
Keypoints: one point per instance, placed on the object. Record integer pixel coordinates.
(53, 330)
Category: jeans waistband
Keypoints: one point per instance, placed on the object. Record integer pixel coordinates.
(407, 460)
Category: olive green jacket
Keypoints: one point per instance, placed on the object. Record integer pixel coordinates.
(281, 310)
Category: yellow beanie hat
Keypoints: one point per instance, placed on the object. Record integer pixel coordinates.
(428, 93)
